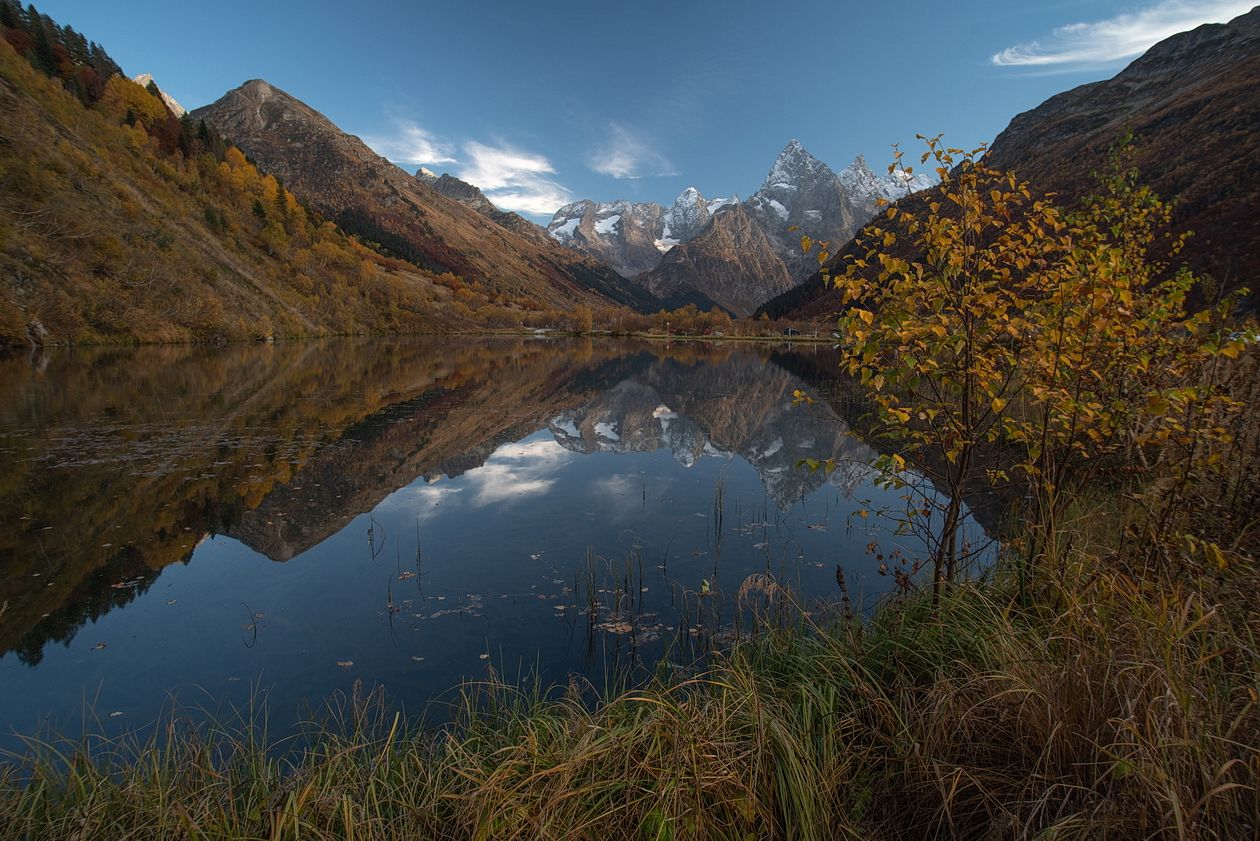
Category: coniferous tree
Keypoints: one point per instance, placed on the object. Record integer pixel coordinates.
(42, 55)
(10, 15)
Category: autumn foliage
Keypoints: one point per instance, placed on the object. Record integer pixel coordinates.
(1019, 328)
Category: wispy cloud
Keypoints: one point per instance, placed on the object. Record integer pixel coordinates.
(1122, 36)
(625, 155)
(512, 178)
(410, 144)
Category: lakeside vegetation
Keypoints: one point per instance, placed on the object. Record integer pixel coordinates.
(1111, 693)
(1102, 680)
(1126, 709)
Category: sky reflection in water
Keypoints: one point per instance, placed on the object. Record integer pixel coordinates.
(201, 522)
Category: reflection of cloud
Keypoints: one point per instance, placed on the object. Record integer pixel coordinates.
(424, 500)
(543, 449)
(1122, 36)
(516, 470)
(619, 484)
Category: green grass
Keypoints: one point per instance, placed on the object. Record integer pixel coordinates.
(1129, 713)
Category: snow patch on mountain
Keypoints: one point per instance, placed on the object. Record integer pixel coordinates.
(860, 180)
(799, 190)
(631, 236)
(564, 231)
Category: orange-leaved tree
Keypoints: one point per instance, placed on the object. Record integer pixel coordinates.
(980, 314)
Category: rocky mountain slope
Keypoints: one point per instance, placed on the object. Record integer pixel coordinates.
(146, 79)
(472, 197)
(742, 260)
(366, 194)
(685, 251)
(119, 222)
(734, 263)
(632, 236)
(1192, 102)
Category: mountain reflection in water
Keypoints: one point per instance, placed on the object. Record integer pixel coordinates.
(440, 505)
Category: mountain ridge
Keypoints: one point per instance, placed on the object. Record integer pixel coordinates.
(632, 236)
(344, 179)
(1191, 103)
(799, 195)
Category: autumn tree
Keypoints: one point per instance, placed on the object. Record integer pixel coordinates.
(984, 315)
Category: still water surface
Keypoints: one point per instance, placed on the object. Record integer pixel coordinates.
(200, 522)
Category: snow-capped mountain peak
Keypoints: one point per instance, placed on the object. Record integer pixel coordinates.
(863, 183)
(800, 191)
(793, 166)
(631, 236)
(686, 217)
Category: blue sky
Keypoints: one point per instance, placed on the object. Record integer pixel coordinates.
(542, 103)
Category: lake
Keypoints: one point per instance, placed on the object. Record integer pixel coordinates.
(201, 523)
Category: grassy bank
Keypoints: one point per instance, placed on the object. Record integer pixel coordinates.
(1128, 711)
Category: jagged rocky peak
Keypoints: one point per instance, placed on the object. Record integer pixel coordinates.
(860, 180)
(632, 236)
(146, 79)
(461, 191)
(344, 179)
(799, 190)
(687, 217)
(793, 166)
(859, 177)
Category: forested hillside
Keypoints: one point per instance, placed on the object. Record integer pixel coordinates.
(119, 222)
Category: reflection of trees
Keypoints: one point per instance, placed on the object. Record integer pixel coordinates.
(444, 430)
(115, 463)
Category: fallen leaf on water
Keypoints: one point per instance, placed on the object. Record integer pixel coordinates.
(345, 664)
(404, 576)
